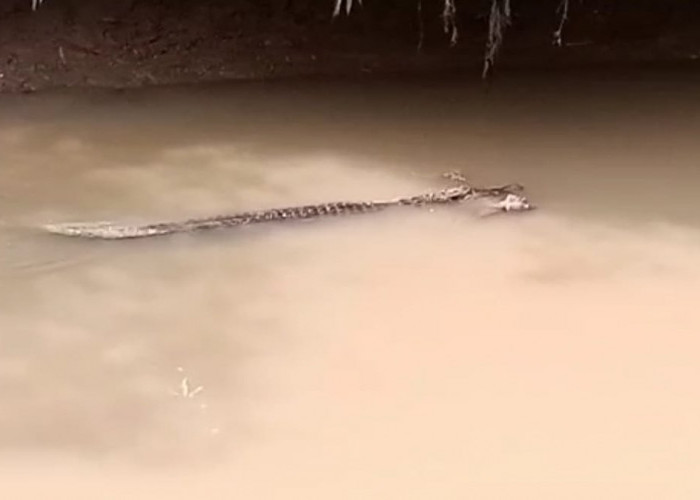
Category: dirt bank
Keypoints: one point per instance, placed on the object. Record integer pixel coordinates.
(130, 43)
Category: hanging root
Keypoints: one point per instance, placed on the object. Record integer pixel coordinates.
(421, 26)
(563, 10)
(449, 21)
(499, 19)
(348, 6)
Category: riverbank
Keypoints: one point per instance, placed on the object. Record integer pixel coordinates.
(127, 44)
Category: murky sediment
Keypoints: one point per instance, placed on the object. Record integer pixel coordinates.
(412, 354)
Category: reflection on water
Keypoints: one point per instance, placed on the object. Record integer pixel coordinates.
(413, 354)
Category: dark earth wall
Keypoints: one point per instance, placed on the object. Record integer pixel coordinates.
(118, 43)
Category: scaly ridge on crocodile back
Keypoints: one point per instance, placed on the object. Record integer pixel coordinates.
(501, 199)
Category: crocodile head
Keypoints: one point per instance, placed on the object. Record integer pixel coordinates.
(505, 199)
(513, 203)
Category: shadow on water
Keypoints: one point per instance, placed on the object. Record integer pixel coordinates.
(603, 133)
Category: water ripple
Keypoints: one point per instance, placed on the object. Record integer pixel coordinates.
(25, 251)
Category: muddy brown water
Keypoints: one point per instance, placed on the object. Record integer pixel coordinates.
(413, 354)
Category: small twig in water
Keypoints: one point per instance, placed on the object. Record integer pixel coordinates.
(185, 391)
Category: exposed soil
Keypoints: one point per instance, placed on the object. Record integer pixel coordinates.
(131, 43)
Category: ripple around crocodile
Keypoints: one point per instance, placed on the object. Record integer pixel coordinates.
(500, 199)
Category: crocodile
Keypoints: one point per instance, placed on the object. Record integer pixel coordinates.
(494, 200)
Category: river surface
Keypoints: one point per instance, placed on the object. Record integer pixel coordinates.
(414, 354)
